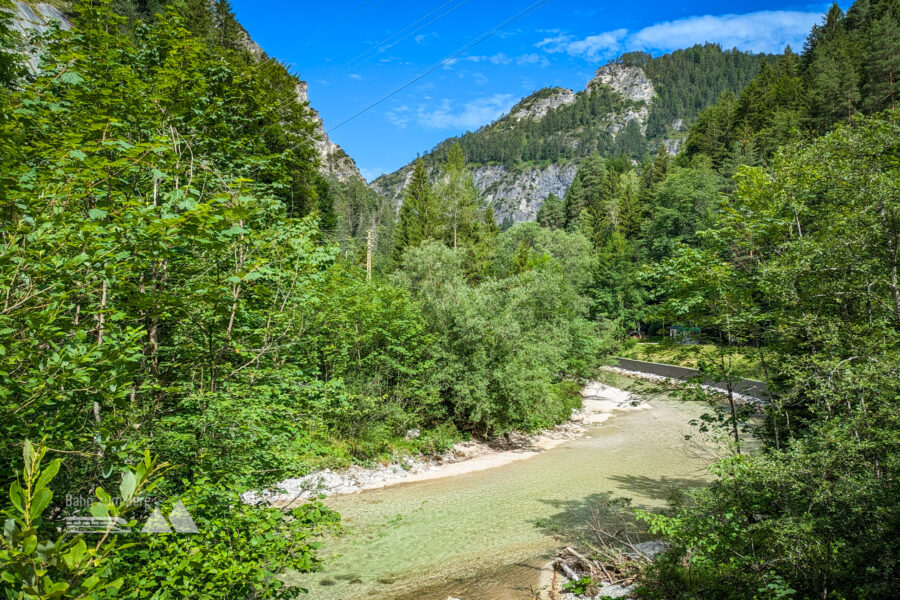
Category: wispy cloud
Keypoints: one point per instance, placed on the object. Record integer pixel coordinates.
(424, 37)
(399, 116)
(501, 58)
(452, 115)
(356, 76)
(762, 31)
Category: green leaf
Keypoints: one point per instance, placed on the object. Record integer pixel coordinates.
(99, 510)
(28, 458)
(48, 474)
(40, 502)
(71, 78)
(128, 485)
(96, 213)
(77, 154)
(29, 544)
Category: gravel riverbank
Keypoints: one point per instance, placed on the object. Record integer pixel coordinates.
(598, 404)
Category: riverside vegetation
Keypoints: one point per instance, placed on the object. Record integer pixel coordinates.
(185, 313)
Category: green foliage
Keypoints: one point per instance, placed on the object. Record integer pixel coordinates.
(800, 261)
(239, 551)
(419, 219)
(579, 586)
(458, 199)
(35, 567)
(849, 65)
(505, 345)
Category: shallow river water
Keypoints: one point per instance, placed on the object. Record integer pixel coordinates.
(484, 535)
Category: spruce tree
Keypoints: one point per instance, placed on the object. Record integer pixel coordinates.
(881, 64)
(458, 197)
(418, 219)
(552, 213)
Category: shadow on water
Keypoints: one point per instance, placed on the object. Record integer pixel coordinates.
(614, 510)
(669, 489)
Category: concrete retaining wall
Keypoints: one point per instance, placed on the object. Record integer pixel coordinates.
(747, 387)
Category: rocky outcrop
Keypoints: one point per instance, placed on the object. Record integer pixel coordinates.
(629, 81)
(334, 162)
(29, 18)
(517, 194)
(536, 106)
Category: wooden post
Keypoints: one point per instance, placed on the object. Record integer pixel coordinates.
(370, 238)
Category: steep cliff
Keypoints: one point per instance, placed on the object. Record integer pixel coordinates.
(334, 161)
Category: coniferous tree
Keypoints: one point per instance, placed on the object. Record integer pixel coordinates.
(882, 65)
(552, 213)
(833, 79)
(458, 197)
(419, 218)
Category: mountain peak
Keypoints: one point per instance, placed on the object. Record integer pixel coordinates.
(630, 81)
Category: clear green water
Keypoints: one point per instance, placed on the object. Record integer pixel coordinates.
(483, 536)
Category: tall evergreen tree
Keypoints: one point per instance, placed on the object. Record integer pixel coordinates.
(419, 219)
(881, 64)
(458, 198)
(552, 213)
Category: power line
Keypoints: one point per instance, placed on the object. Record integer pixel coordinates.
(390, 41)
(525, 11)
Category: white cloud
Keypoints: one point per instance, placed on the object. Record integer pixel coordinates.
(763, 31)
(356, 76)
(470, 115)
(400, 116)
(532, 59)
(591, 47)
(502, 58)
(423, 37)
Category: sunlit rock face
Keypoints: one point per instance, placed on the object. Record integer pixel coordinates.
(537, 106)
(333, 160)
(517, 192)
(628, 81)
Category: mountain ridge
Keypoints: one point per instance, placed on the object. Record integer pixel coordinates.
(632, 105)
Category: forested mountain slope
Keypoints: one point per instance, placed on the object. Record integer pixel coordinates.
(334, 162)
(631, 106)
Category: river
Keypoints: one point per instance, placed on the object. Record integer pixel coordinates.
(485, 535)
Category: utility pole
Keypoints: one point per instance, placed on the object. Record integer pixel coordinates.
(370, 243)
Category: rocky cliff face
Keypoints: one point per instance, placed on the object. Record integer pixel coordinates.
(536, 106)
(628, 81)
(29, 17)
(39, 16)
(517, 193)
(334, 161)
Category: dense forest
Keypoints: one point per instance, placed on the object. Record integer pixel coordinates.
(186, 311)
(776, 230)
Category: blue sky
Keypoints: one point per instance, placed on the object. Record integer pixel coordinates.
(355, 52)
